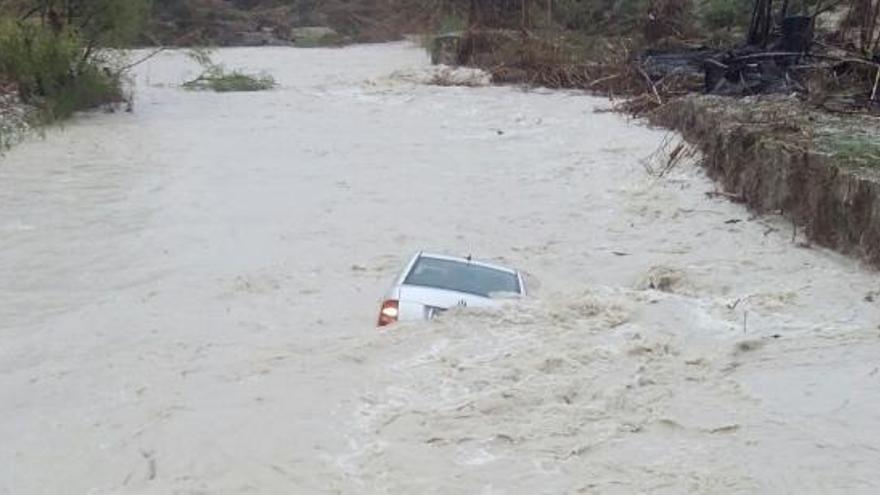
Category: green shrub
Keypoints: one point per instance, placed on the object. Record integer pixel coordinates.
(53, 70)
(91, 88)
(110, 23)
(38, 60)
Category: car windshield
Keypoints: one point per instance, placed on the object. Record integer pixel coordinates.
(462, 277)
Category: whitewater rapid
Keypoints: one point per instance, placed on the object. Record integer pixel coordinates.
(188, 295)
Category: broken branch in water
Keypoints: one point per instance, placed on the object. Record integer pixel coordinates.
(651, 83)
(603, 79)
(733, 197)
(667, 156)
(876, 83)
(141, 60)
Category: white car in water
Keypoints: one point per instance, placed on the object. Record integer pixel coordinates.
(433, 283)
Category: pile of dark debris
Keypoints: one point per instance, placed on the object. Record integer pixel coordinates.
(838, 71)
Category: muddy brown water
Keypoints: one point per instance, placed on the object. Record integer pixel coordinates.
(188, 292)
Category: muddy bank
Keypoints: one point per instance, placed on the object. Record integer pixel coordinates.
(818, 169)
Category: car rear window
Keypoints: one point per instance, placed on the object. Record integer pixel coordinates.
(462, 277)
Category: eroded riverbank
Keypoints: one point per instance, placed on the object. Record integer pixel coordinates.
(190, 291)
(779, 156)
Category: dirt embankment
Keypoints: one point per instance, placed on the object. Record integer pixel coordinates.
(819, 169)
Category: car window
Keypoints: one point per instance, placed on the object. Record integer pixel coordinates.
(462, 277)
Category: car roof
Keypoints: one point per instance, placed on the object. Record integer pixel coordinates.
(460, 259)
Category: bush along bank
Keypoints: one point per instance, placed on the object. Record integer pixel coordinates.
(55, 56)
(54, 71)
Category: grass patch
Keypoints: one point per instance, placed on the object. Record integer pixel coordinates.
(854, 149)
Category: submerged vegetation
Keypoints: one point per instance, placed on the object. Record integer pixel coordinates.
(215, 77)
(219, 80)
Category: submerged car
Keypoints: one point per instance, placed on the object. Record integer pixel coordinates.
(433, 283)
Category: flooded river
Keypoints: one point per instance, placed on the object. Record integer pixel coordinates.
(188, 295)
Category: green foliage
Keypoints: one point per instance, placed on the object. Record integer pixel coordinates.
(37, 59)
(853, 148)
(655, 19)
(113, 23)
(447, 24)
(725, 14)
(105, 23)
(54, 70)
(92, 87)
(222, 82)
(215, 77)
(451, 24)
(317, 39)
(52, 50)
(599, 16)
